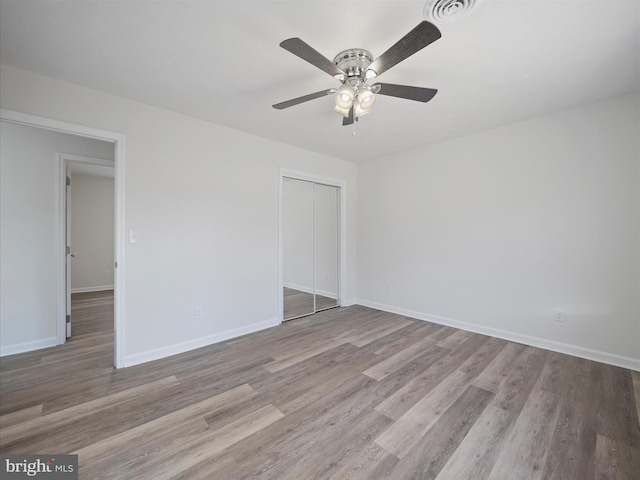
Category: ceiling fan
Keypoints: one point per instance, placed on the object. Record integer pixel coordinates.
(355, 68)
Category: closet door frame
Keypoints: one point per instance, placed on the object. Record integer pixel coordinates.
(342, 228)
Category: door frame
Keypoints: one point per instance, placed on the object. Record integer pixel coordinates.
(63, 330)
(118, 139)
(342, 230)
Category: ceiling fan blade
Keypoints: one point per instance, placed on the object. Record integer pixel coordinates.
(315, 58)
(349, 119)
(404, 91)
(414, 41)
(305, 98)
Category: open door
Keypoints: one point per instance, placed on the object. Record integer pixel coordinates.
(70, 255)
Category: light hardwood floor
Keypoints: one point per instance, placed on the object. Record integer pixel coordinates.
(350, 393)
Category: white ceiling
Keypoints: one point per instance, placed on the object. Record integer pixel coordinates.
(220, 61)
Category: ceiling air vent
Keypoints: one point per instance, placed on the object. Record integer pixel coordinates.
(447, 11)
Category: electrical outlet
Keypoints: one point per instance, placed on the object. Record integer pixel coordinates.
(197, 312)
(559, 315)
(387, 288)
(106, 272)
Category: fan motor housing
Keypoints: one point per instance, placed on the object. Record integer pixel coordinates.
(353, 62)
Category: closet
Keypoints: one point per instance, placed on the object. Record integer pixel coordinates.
(310, 247)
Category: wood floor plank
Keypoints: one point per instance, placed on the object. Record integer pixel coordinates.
(285, 341)
(429, 455)
(284, 386)
(455, 340)
(18, 397)
(304, 434)
(412, 426)
(369, 463)
(297, 402)
(402, 399)
(190, 448)
(141, 458)
(133, 460)
(58, 419)
(321, 458)
(527, 445)
(483, 351)
(487, 438)
(393, 343)
(111, 446)
(201, 447)
(20, 416)
(516, 385)
(288, 361)
(316, 387)
(471, 358)
(303, 342)
(636, 389)
(476, 455)
(556, 370)
(365, 337)
(493, 375)
(223, 467)
(36, 376)
(443, 332)
(283, 440)
(222, 368)
(573, 444)
(616, 388)
(615, 460)
(396, 361)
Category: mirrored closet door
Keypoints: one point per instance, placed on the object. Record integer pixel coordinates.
(310, 247)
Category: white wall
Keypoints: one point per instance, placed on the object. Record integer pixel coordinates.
(92, 208)
(493, 231)
(205, 200)
(29, 173)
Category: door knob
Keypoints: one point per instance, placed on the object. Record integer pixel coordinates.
(73, 255)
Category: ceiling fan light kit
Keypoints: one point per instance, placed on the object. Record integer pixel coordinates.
(354, 91)
(354, 67)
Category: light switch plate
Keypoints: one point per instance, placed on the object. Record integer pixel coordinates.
(134, 236)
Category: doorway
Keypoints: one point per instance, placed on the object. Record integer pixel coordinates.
(311, 245)
(59, 291)
(88, 186)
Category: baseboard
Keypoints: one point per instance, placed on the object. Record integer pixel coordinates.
(28, 346)
(349, 302)
(100, 288)
(574, 350)
(178, 348)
